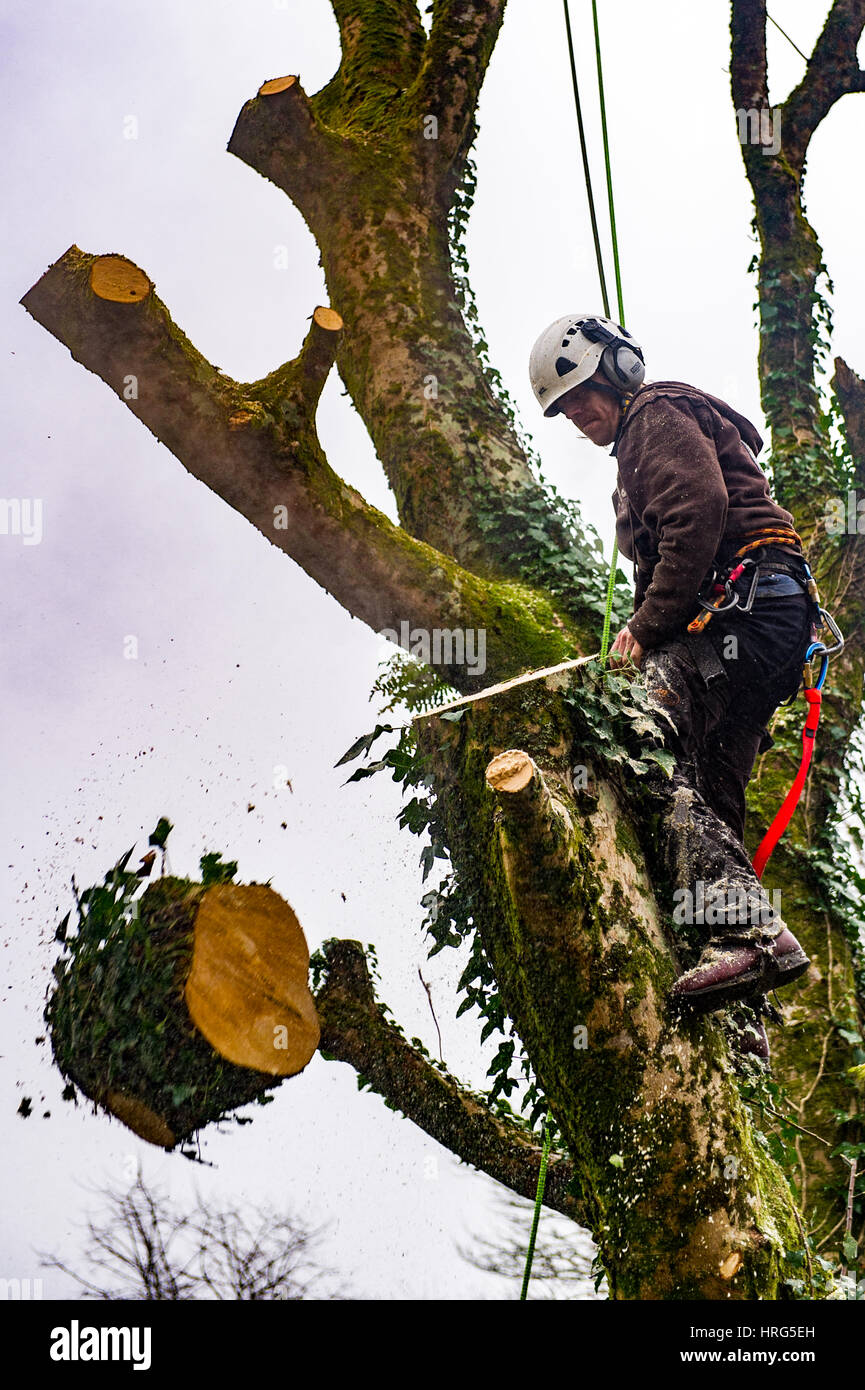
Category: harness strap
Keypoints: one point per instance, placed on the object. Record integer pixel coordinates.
(814, 697)
(769, 537)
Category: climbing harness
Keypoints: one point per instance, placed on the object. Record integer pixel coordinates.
(724, 598)
(813, 692)
(723, 589)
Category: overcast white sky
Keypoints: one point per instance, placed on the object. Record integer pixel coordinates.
(244, 663)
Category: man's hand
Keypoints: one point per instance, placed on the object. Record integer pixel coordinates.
(626, 648)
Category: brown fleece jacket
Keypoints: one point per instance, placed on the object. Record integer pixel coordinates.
(688, 487)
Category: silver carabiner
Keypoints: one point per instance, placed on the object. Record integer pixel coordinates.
(833, 627)
(752, 592)
(721, 607)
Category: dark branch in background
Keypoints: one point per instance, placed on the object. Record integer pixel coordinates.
(256, 446)
(143, 1249)
(455, 61)
(749, 69)
(791, 260)
(354, 1029)
(848, 560)
(850, 390)
(833, 70)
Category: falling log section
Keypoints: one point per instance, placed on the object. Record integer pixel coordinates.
(197, 1005)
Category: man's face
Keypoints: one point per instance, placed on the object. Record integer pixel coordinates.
(593, 410)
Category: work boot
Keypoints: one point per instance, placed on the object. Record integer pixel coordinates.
(790, 958)
(731, 969)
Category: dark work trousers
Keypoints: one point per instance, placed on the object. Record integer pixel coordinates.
(720, 689)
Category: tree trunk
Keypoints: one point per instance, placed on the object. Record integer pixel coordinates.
(812, 1054)
(680, 1197)
(569, 897)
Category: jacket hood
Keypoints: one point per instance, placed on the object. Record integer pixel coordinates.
(651, 390)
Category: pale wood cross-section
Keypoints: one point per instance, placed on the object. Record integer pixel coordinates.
(275, 84)
(327, 318)
(116, 278)
(248, 989)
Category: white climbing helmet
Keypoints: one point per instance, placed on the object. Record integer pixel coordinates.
(571, 350)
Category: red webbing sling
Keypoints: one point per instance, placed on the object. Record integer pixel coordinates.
(814, 696)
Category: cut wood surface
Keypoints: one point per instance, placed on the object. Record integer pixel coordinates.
(327, 318)
(248, 990)
(276, 84)
(510, 771)
(525, 679)
(116, 278)
(140, 1119)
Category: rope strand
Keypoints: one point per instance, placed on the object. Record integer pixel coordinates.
(539, 1195)
(586, 169)
(611, 582)
(613, 234)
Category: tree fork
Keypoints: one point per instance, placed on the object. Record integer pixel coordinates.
(382, 42)
(408, 360)
(255, 445)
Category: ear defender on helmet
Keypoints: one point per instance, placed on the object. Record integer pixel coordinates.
(576, 346)
(621, 362)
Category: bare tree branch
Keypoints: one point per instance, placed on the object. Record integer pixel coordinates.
(277, 134)
(748, 68)
(354, 1029)
(561, 1266)
(850, 390)
(255, 445)
(458, 51)
(833, 70)
(846, 568)
(224, 1256)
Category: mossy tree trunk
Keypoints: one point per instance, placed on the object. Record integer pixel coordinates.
(811, 1054)
(572, 911)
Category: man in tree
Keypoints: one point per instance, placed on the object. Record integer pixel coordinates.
(695, 516)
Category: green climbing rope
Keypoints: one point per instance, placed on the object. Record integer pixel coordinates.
(586, 169)
(613, 235)
(611, 582)
(611, 588)
(539, 1197)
